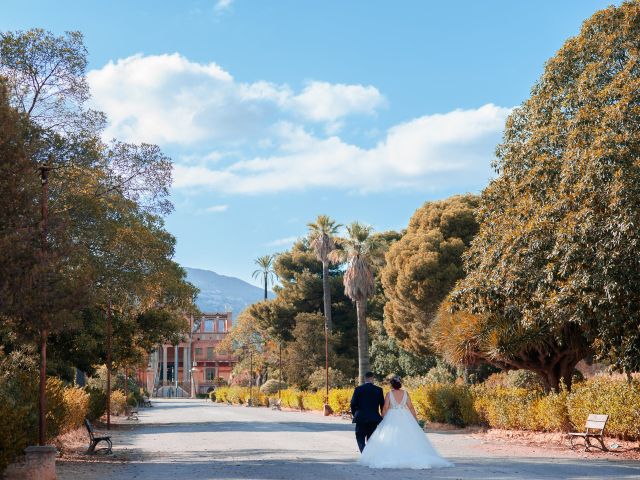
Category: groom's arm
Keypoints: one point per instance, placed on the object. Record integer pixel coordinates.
(381, 399)
(354, 402)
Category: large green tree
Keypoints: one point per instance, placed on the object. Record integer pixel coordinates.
(553, 271)
(82, 203)
(422, 267)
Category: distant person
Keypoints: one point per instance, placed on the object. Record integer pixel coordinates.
(366, 405)
(399, 442)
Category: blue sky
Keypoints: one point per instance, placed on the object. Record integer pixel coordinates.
(277, 111)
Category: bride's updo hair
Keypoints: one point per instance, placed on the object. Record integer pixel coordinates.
(396, 382)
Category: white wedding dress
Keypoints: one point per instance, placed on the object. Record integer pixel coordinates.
(399, 442)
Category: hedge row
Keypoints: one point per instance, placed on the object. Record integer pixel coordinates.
(531, 409)
(339, 398)
(493, 406)
(66, 409)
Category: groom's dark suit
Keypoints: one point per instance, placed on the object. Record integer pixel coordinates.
(366, 405)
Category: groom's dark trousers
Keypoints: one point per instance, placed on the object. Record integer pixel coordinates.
(366, 405)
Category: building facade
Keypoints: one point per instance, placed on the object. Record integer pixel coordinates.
(193, 366)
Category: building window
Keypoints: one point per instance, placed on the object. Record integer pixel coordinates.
(210, 374)
(221, 326)
(209, 353)
(208, 326)
(198, 352)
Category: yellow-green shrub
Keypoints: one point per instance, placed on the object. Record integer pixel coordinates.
(445, 403)
(118, 401)
(340, 399)
(549, 413)
(618, 399)
(313, 400)
(503, 407)
(77, 407)
(292, 398)
(222, 394)
(56, 407)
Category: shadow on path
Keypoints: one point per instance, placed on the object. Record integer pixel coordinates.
(242, 426)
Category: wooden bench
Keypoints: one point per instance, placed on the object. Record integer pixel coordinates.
(594, 428)
(131, 412)
(275, 404)
(94, 440)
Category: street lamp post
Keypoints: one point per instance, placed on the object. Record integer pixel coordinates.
(251, 377)
(44, 333)
(193, 381)
(280, 367)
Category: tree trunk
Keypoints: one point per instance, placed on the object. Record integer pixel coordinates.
(265, 285)
(560, 372)
(363, 339)
(326, 290)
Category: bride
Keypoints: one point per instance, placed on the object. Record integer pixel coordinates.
(399, 442)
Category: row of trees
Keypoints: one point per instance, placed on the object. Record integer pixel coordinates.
(327, 304)
(86, 269)
(538, 272)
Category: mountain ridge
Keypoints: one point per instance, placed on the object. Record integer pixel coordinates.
(220, 293)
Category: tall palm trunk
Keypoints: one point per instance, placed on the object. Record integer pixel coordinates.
(363, 339)
(326, 290)
(266, 279)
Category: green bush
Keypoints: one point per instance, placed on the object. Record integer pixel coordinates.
(97, 403)
(317, 380)
(270, 387)
(18, 404)
(66, 406)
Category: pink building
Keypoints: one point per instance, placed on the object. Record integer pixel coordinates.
(192, 366)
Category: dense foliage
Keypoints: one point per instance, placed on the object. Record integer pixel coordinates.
(423, 266)
(553, 272)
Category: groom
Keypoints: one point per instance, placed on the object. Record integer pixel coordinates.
(366, 405)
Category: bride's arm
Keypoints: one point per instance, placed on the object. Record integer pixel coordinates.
(385, 409)
(410, 407)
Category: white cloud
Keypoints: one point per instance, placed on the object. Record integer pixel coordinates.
(217, 208)
(168, 99)
(262, 137)
(281, 242)
(322, 101)
(428, 153)
(222, 5)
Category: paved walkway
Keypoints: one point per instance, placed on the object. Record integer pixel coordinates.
(184, 439)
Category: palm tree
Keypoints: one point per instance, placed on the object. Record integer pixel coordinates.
(363, 251)
(266, 271)
(321, 239)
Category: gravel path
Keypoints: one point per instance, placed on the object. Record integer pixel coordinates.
(182, 439)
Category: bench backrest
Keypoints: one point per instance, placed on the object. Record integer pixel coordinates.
(596, 422)
(90, 429)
